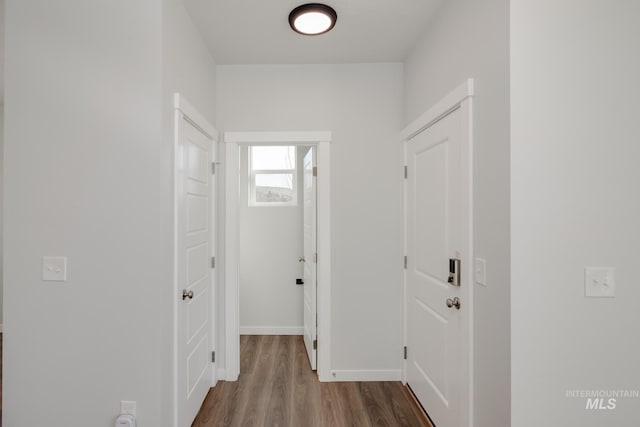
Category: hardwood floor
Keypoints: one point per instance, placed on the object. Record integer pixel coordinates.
(277, 388)
(0, 380)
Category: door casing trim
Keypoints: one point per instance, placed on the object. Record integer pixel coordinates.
(233, 141)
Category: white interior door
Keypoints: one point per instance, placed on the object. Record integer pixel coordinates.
(438, 213)
(310, 254)
(194, 196)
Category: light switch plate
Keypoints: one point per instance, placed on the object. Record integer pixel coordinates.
(600, 282)
(54, 268)
(481, 271)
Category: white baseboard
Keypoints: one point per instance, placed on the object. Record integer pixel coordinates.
(366, 375)
(221, 374)
(344, 375)
(271, 330)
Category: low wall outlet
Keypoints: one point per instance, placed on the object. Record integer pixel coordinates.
(125, 421)
(128, 407)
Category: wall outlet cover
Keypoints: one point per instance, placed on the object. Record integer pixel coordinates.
(128, 407)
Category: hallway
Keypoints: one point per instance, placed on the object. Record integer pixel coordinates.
(277, 388)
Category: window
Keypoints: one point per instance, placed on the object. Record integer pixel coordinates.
(272, 176)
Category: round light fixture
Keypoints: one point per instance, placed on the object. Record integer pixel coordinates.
(312, 19)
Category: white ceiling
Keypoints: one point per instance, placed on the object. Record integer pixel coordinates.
(257, 31)
(1, 52)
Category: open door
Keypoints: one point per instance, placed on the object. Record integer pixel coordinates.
(194, 198)
(310, 256)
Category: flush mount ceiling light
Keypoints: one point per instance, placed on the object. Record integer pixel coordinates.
(312, 19)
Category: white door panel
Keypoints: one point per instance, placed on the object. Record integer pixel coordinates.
(430, 169)
(196, 370)
(197, 214)
(309, 233)
(437, 230)
(194, 156)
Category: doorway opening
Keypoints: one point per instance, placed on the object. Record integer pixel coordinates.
(272, 240)
(277, 263)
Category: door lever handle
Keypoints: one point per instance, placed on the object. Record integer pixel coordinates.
(301, 259)
(187, 294)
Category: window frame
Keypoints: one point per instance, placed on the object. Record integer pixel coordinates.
(252, 202)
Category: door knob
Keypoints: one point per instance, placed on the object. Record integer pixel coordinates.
(455, 302)
(187, 294)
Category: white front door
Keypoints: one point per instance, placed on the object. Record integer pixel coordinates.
(438, 229)
(195, 213)
(309, 233)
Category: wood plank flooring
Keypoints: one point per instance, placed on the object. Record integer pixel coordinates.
(277, 388)
(0, 380)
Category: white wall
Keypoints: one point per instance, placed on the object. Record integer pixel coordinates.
(467, 39)
(83, 128)
(575, 203)
(2, 51)
(361, 105)
(1, 204)
(88, 175)
(188, 67)
(1, 147)
(270, 245)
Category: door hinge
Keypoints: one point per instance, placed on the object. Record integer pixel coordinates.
(213, 168)
(315, 171)
(213, 357)
(315, 344)
(406, 172)
(405, 352)
(315, 257)
(405, 262)
(213, 262)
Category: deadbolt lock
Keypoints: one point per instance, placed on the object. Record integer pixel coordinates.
(454, 272)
